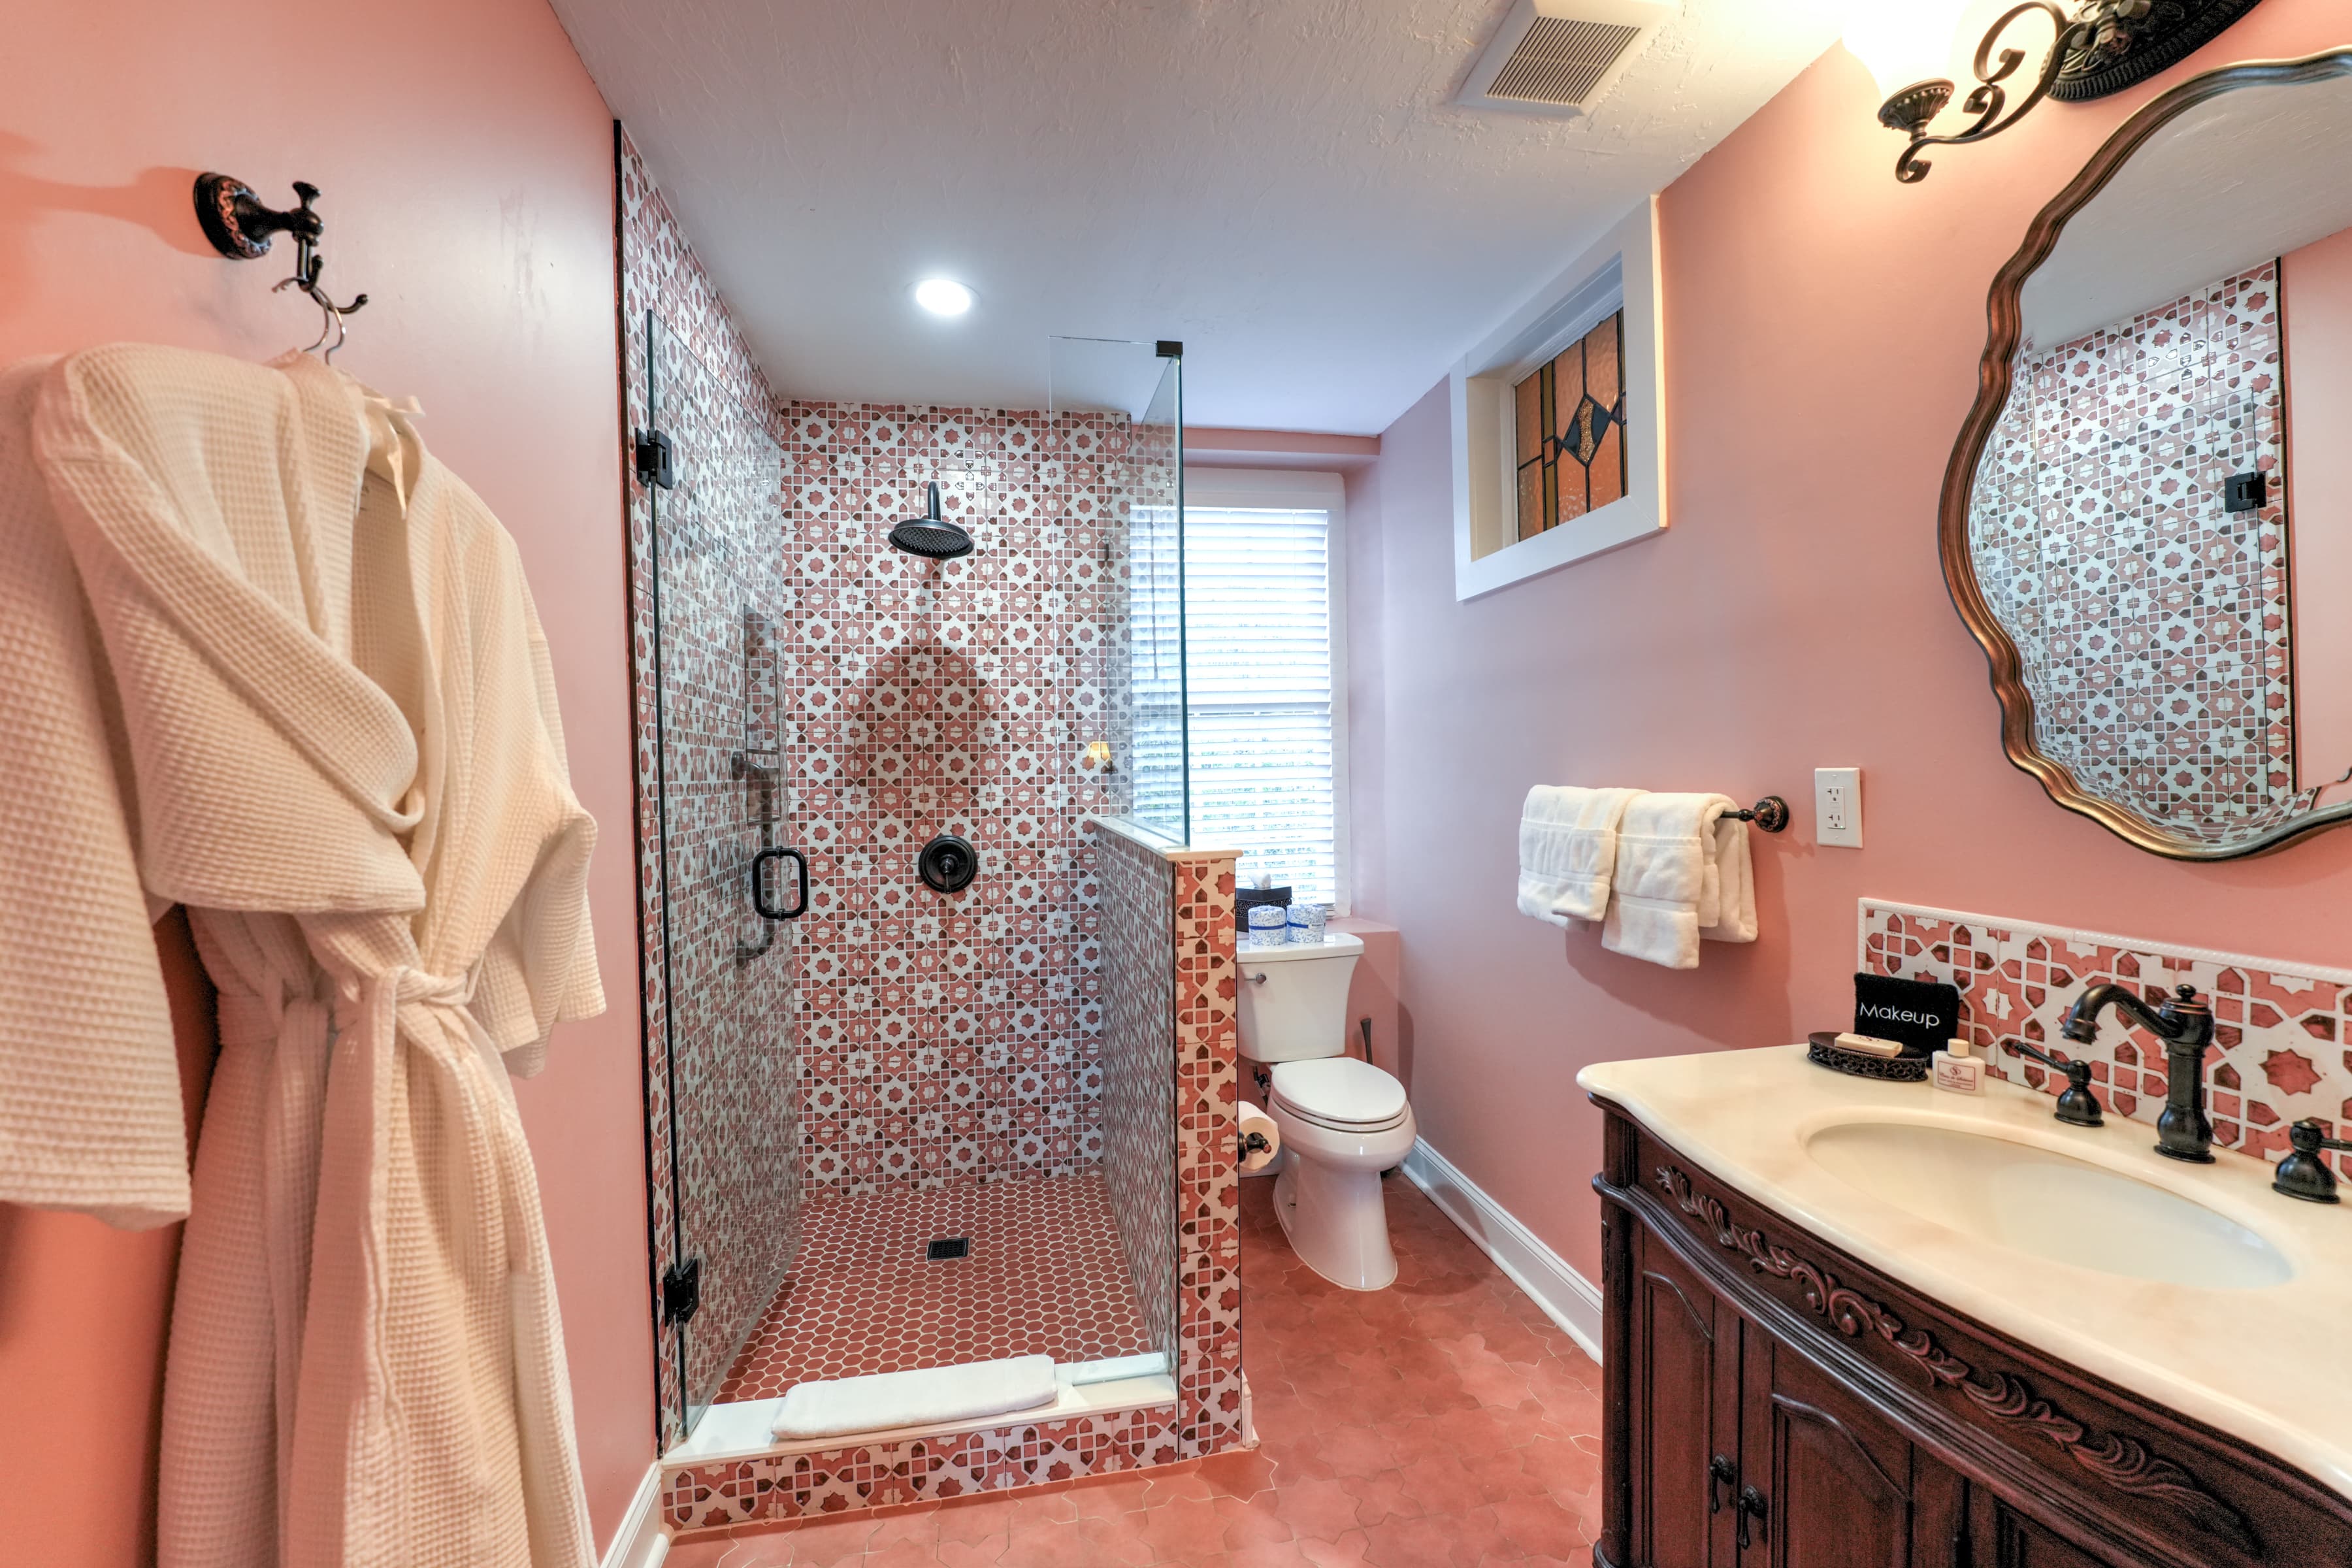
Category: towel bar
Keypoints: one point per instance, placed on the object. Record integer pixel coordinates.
(1770, 814)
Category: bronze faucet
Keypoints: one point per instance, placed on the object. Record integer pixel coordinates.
(2185, 1024)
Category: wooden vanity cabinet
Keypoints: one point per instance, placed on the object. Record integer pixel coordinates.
(1744, 1453)
(1772, 1403)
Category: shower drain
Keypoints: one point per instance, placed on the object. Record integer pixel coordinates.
(949, 1247)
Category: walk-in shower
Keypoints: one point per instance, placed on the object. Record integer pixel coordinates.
(835, 1102)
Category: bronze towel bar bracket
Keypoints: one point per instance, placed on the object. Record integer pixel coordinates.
(1770, 815)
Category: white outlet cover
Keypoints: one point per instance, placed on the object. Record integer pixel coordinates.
(1837, 807)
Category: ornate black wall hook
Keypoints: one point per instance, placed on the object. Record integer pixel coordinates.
(240, 227)
(237, 224)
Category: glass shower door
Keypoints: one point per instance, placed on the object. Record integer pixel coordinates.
(1155, 687)
(725, 884)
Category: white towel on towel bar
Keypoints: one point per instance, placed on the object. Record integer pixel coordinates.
(886, 1400)
(1568, 851)
(1683, 874)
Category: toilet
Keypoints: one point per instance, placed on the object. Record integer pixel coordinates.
(1343, 1120)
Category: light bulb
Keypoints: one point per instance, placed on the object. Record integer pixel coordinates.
(943, 296)
(1905, 41)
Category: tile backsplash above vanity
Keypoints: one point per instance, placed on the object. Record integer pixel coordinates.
(2283, 1034)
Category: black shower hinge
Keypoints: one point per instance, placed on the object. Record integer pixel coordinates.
(681, 1291)
(654, 452)
(1168, 348)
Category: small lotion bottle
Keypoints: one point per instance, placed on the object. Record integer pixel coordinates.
(1956, 1072)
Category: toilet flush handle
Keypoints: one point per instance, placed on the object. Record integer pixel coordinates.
(1257, 979)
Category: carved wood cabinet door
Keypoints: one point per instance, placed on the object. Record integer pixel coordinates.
(1826, 1482)
(1685, 1426)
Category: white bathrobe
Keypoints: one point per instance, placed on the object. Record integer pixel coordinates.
(339, 747)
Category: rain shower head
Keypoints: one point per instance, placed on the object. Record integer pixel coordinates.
(931, 536)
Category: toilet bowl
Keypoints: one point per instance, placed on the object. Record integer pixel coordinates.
(1343, 1121)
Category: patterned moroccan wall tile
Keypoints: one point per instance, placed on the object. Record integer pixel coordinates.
(953, 1037)
(2279, 1051)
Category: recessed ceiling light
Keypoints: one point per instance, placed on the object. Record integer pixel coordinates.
(943, 296)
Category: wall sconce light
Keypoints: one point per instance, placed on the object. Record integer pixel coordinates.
(1097, 755)
(2105, 47)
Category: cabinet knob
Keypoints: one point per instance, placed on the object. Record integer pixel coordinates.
(1752, 1506)
(1720, 1473)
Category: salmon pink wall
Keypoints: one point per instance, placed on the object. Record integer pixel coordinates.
(467, 169)
(2315, 288)
(1822, 329)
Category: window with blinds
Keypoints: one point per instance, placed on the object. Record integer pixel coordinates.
(1267, 732)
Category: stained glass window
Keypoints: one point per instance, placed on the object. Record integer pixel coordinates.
(1571, 431)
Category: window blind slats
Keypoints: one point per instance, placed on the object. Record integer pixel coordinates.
(1258, 663)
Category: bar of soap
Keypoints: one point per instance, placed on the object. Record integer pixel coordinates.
(1865, 1045)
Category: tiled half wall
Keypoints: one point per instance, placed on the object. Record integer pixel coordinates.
(2283, 1034)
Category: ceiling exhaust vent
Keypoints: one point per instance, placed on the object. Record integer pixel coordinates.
(1562, 57)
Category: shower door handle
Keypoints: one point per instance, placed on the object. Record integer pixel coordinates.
(760, 885)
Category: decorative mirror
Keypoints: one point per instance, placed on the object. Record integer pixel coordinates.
(2147, 521)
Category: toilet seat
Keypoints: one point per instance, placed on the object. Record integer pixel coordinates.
(1342, 1093)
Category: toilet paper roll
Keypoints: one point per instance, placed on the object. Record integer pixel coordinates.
(1261, 1139)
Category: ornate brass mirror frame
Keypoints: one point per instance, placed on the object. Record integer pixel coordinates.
(1993, 381)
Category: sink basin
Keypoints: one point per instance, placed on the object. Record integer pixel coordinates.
(2038, 1200)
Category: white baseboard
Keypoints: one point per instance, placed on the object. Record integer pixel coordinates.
(1567, 1298)
(641, 1543)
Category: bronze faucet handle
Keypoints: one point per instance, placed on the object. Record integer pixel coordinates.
(2077, 1107)
(2303, 1173)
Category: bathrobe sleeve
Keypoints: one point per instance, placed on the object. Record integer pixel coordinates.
(91, 1116)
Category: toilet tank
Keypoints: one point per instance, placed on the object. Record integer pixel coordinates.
(1300, 1009)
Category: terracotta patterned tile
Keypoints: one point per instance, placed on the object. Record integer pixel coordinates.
(2277, 1055)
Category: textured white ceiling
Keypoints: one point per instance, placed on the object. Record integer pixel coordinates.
(1283, 185)
(2237, 181)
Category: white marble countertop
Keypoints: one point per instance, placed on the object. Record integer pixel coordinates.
(2272, 1365)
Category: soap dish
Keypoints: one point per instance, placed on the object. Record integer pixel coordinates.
(1820, 1049)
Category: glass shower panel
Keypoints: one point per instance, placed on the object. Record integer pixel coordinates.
(721, 797)
(1155, 693)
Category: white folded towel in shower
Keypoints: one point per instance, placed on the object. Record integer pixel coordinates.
(886, 1400)
(1568, 851)
(1683, 874)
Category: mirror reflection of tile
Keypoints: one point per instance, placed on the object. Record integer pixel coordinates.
(2153, 621)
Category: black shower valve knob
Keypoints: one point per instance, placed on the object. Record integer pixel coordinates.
(948, 864)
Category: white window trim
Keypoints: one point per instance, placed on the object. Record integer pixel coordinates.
(1327, 492)
(1624, 268)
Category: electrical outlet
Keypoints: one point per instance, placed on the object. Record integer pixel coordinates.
(1837, 806)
